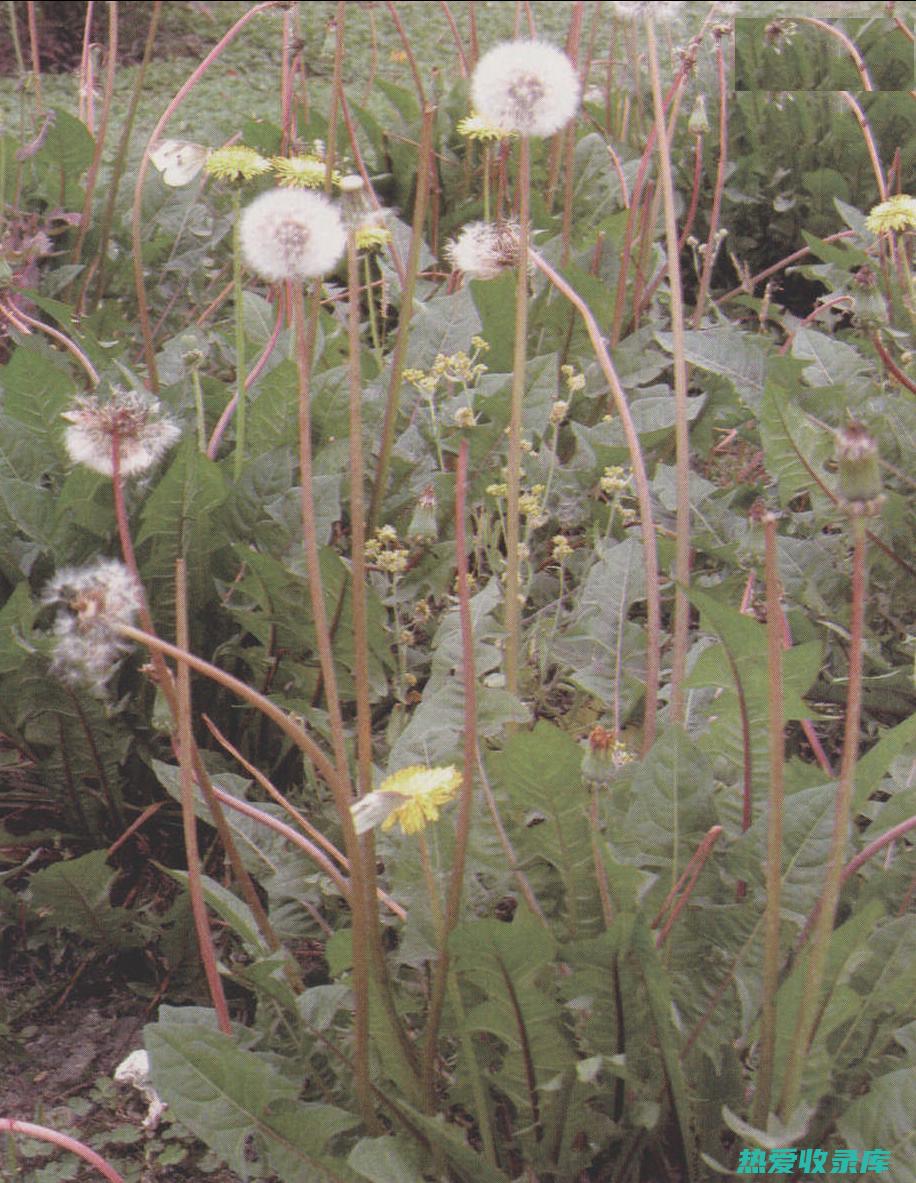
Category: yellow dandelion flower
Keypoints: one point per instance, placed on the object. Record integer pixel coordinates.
(897, 213)
(474, 127)
(411, 798)
(302, 172)
(372, 238)
(236, 163)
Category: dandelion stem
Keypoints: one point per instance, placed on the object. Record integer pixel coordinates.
(640, 480)
(399, 354)
(810, 1005)
(771, 954)
(239, 309)
(188, 819)
(709, 257)
(682, 438)
(519, 360)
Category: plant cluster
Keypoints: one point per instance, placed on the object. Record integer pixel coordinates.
(411, 550)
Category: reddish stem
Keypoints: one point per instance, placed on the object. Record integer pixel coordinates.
(892, 368)
(56, 1138)
(854, 864)
(710, 256)
(688, 881)
(136, 219)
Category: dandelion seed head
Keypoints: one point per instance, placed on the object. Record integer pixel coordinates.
(291, 234)
(528, 87)
(142, 432)
(484, 250)
(92, 601)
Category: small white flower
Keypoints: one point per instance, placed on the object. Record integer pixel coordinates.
(143, 434)
(93, 600)
(291, 234)
(484, 250)
(526, 86)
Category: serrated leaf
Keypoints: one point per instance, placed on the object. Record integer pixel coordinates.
(509, 965)
(794, 449)
(834, 362)
(670, 808)
(735, 355)
(540, 771)
(177, 521)
(74, 894)
(232, 1099)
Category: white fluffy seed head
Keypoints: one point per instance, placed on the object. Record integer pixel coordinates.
(526, 86)
(484, 250)
(291, 234)
(92, 601)
(143, 434)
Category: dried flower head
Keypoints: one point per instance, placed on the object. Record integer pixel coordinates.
(558, 412)
(236, 163)
(484, 250)
(897, 213)
(94, 600)
(465, 417)
(133, 420)
(560, 547)
(291, 234)
(614, 479)
(474, 127)
(526, 86)
(604, 756)
(302, 172)
(858, 469)
(410, 797)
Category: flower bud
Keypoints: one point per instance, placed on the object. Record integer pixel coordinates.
(698, 123)
(857, 461)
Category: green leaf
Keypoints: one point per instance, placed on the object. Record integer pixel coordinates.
(873, 766)
(883, 1119)
(540, 772)
(670, 806)
(600, 643)
(795, 450)
(470, 1166)
(842, 254)
(734, 354)
(834, 363)
(74, 894)
(660, 1005)
(177, 521)
(36, 389)
(230, 908)
(494, 300)
(510, 965)
(68, 145)
(385, 1160)
(237, 1101)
